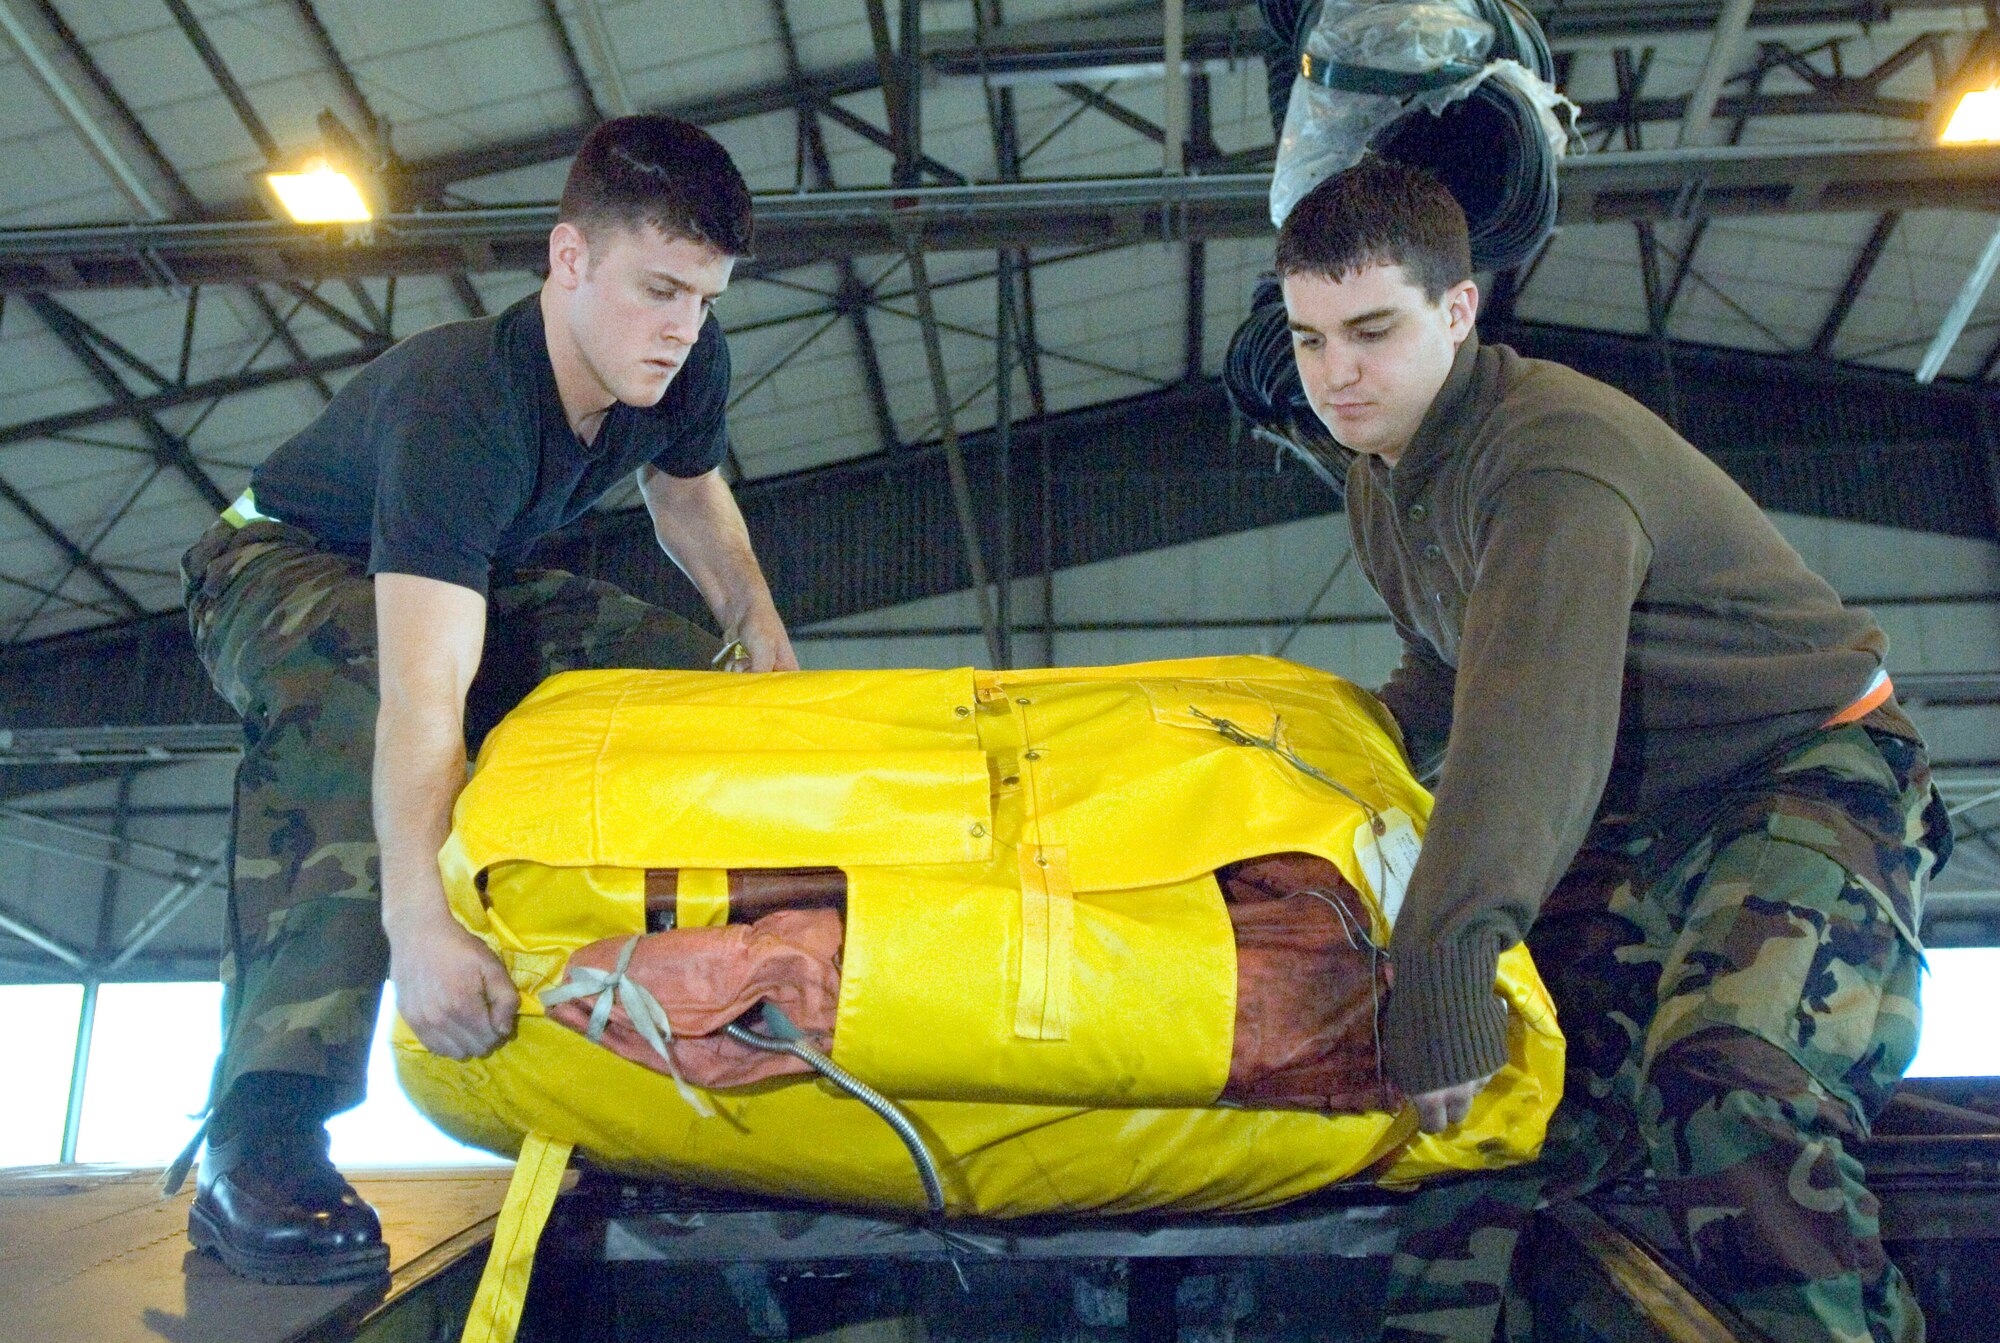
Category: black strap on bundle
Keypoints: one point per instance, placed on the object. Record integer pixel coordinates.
(1489, 148)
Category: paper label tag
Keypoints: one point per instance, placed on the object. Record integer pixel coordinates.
(1388, 859)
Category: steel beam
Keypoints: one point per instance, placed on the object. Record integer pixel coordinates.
(183, 865)
(170, 906)
(1216, 33)
(579, 80)
(900, 96)
(43, 942)
(330, 57)
(78, 557)
(798, 229)
(853, 296)
(1722, 47)
(881, 139)
(617, 100)
(79, 1070)
(39, 747)
(1857, 280)
(1131, 39)
(1153, 470)
(112, 109)
(219, 71)
(19, 26)
(169, 448)
(1960, 313)
(229, 384)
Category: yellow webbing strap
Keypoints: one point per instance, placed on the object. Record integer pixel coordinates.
(701, 899)
(503, 1287)
(1048, 943)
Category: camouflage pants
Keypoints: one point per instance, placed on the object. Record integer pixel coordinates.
(1739, 991)
(286, 630)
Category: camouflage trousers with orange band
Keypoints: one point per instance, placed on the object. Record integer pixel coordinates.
(1738, 986)
(286, 630)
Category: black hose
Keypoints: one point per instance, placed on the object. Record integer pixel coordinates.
(1262, 379)
(1491, 153)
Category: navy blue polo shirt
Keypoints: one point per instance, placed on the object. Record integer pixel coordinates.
(449, 456)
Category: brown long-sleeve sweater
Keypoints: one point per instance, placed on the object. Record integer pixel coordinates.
(1584, 601)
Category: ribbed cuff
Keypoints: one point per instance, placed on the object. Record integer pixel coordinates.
(1443, 1024)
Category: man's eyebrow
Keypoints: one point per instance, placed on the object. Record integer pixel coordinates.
(1375, 316)
(657, 275)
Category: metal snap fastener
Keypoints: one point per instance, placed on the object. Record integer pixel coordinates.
(1433, 551)
(1011, 779)
(1418, 512)
(962, 711)
(1024, 700)
(978, 831)
(1032, 755)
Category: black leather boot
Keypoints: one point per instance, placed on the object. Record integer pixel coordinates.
(270, 1205)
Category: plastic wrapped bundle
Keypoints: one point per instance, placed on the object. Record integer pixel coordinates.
(1458, 87)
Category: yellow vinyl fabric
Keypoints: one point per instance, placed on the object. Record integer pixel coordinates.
(1038, 962)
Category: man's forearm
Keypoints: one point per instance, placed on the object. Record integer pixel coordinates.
(701, 529)
(419, 770)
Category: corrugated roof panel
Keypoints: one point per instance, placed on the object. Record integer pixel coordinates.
(453, 77)
(753, 305)
(46, 382)
(1123, 310)
(805, 437)
(731, 47)
(1765, 282)
(242, 430)
(536, 184)
(47, 173)
(72, 480)
(1922, 269)
(164, 522)
(764, 149)
(832, 33)
(1590, 278)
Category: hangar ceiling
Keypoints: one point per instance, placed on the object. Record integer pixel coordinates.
(983, 256)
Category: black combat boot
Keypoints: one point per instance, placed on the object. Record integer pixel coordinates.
(269, 1204)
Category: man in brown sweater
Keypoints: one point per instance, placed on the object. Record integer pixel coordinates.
(1667, 757)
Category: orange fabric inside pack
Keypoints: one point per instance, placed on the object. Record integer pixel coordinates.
(1309, 985)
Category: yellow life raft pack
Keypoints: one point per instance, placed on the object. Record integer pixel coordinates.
(1038, 966)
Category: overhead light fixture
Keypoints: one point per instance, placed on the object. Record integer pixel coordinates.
(319, 193)
(1976, 120)
(338, 181)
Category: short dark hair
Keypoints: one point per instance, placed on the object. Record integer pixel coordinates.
(659, 170)
(1379, 212)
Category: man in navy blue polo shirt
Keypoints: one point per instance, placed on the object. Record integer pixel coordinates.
(364, 604)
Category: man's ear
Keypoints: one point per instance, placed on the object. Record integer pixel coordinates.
(1461, 309)
(569, 255)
